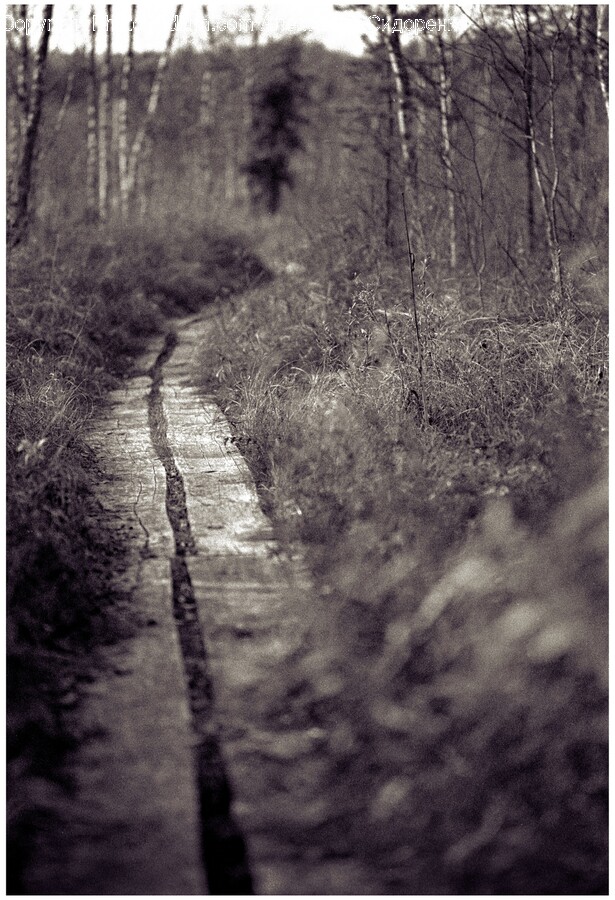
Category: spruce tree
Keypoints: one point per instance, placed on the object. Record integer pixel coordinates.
(277, 122)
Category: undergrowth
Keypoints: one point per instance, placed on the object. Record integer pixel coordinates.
(77, 315)
(462, 550)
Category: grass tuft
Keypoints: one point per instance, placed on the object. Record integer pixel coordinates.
(76, 319)
(462, 558)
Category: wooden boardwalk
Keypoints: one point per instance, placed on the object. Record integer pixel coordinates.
(203, 770)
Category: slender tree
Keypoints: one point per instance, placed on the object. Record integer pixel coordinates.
(388, 181)
(584, 75)
(409, 120)
(547, 175)
(104, 123)
(601, 55)
(12, 144)
(19, 212)
(528, 90)
(122, 136)
(206, 99)
(536, 47)
(92, 144)
(152, 105)
(23, 72)
(403, 90)
(249, 89)
(444, 96)
(17, 99)
(68, 92)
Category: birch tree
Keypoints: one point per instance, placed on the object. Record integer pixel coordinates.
(403, 91)
(601, 55)
(19, 212)
(207, 106)
(583, 72)
(536, 48)
(444, 96)
(546, 174)
(122, 137)
(388, 19)
(104, 123)
(206, 93)
(18, 98)
(528, 91)
(23, 71)
(152, 105)
(12, 144)
(249, 88)
(388, 179)
(92, 140)
(68, 91)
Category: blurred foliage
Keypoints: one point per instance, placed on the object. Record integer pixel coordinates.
(76, 318)
(350, 165)
(464, 564)
(275, 136)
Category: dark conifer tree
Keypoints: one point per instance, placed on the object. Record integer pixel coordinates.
(276, 132)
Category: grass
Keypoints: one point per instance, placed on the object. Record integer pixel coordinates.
(77, 315)
(461, 553)
(463, 558)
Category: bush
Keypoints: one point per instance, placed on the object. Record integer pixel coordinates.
(76, 319)
(463, 560)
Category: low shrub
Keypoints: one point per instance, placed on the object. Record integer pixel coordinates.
(76, 318)
(462, 555)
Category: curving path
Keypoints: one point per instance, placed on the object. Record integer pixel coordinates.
(203, 770)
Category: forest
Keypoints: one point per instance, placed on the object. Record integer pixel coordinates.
(403, 257)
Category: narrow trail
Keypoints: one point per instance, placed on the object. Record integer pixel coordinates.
(202, 770)
(223, 848)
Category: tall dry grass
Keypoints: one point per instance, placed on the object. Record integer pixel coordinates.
(463, 560)
(78, 312)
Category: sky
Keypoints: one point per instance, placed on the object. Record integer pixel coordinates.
(337, 30)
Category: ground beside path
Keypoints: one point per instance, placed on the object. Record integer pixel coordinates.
(202, 769)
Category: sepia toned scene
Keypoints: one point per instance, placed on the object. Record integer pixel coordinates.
(306, 405)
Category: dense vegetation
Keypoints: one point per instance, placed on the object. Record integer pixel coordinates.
(75, 321)
(436, 450)
(464, 560)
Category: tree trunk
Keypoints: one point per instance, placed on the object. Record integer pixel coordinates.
(104, 124)
(249, 86)
(144, 183)
(122, 130)
(13, 143)
(554, 244)
(203, 162)
(92, 145)
(207, 96)
(547, 183)
(65, 101)
(404, 108)
(152, 105)
(388, 184)
(528, 75)
(601, 55)
(19, 208)
(445, 112)
(23, 72)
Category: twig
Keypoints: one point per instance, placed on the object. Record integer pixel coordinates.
(419, 346)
